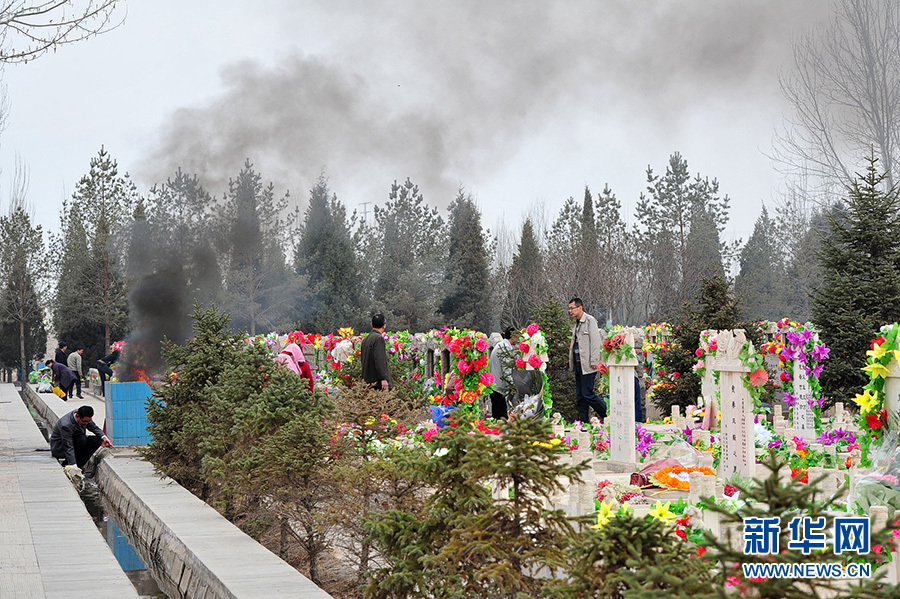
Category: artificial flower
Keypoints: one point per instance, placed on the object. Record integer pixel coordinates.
(603, 515)
(662, 512)
(877, 351)
(877, 370)
(867, 401)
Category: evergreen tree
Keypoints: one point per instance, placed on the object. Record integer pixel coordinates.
(527, 284)
(556, 325)
(325, 256)
(703, 251)
(466, 544)
(588, 282)
(22, 275)
(619, 284)
(762, 279)
(91, 296)
(861, 291)
(409, 254)
(466, 302)
(666, 214)
(258, 286)
(561, 259)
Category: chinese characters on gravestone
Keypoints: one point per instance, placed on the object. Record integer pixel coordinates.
(737, 442)
(621, 408)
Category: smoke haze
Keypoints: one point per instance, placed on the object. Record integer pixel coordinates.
(446, 93)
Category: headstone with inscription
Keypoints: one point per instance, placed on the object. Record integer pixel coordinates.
(736, 440)
(621, 408)
(804, 417)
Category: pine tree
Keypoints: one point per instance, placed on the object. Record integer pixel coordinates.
(620, 285)
(409, 254)
(561, 259)
(527, 283)
(258, 287)
(466, 301)
(556, 325)
(466, 544)
(703, 252)
(861, 291)
(762, 279)
(326, 257)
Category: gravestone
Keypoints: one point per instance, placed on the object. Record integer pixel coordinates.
(621, 409)
(892, 387)
(804, 417)
(736, 440)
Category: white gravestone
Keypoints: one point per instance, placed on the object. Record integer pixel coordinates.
(892, 388)
(804, 417)
(621, 408)
(737, 442)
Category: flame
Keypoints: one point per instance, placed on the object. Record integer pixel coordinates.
(139, 374)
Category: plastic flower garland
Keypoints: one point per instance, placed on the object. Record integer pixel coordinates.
(706, 351)
(534, 356)
(757, 377)
(796, 343)
(678, 477)
(872, 416)
(468, 364)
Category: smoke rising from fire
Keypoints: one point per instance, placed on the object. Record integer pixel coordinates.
(446, 93)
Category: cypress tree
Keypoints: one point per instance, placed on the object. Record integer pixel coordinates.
(527, 282)
(761, 282)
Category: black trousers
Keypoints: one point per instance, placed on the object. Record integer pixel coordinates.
(498, 405)
(85, 446)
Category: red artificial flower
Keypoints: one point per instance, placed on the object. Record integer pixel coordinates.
(675, 375)
(803, 474)
(520, 363)
(785, 376)
(877, 341)
(701, 550)
(876, 421)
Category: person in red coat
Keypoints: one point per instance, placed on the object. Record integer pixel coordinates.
(291, 357)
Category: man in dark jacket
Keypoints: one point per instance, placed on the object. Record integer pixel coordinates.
(69, 439)
(375, 369)
(64, 377)
(61, 353)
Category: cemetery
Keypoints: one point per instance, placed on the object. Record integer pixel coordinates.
(708, 475)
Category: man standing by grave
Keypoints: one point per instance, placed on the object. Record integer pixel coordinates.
(375, 369)
(585, 360)
(75, 364)
(501, 363)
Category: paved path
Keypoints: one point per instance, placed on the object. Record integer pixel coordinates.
(49, 546)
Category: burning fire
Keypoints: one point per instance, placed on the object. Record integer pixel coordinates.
(139, 374)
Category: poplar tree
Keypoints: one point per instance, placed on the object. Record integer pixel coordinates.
(861, 291)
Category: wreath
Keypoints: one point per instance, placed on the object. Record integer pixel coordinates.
(678, 477)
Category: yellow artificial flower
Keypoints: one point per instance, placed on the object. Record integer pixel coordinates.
(897, 355)
(877, 370)
(662, 512)
(603, 515)
(877, 351)
(868, 401)
(350, 359)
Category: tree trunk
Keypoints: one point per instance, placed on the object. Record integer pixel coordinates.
(23, 376)
(283, 542)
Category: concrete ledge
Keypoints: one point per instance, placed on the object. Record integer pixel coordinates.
(192, 550)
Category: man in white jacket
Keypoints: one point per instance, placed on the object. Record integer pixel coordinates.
(585, 360)
(75, 364)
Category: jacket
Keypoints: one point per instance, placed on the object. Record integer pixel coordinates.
(292, 358)
(374, 360)
(64, 375)
(501, 366)
(74, 363)
(590, 344)
(62, 438)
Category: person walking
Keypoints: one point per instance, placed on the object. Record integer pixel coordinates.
(375, 370)
(75, 363)
(500, 364)
(585, 360)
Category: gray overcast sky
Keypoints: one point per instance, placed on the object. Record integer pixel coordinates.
(519, 101)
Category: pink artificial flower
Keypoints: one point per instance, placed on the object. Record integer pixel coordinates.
(464, 366)
(532, 329)
(481, 345)
(535, 361)
(524, 347)
(520, 363)
(429, 434)
(486, 379)
(699, 352)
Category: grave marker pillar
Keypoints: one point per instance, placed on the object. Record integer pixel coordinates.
(621, 409)
(736, 440)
